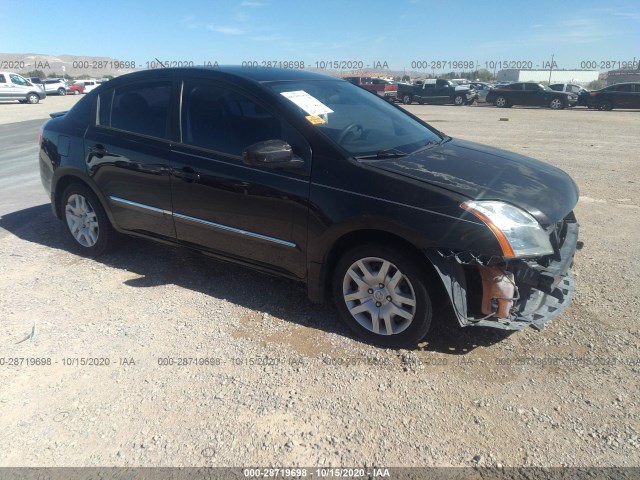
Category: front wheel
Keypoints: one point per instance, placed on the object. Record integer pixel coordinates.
(33, 98)
(556, 104)
(407, 99)
(86, 221)
(62, 91)
(76, 92)
(458, 100)
(381, 295)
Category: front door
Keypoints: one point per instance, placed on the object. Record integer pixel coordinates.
(254, 214)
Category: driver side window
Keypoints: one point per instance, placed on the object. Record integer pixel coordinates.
(18, 80)
(222, 120)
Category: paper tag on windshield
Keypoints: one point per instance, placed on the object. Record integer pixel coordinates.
(315, 119)
(309, 104)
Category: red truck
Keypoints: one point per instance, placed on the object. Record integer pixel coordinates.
(384, 88)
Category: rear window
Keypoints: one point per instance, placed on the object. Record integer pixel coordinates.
(139, 108)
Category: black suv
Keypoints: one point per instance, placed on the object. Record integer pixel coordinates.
(530, 94)
(312, 178)
(620, 95)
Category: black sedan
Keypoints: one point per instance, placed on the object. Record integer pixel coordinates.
(530, 94)
(621, 95)
(312, 178)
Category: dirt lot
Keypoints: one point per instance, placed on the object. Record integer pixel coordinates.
(282, 382)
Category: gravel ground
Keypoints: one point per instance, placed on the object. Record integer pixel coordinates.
(284, 383)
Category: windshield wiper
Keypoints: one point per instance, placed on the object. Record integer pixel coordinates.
(431, 143)
(387, 153)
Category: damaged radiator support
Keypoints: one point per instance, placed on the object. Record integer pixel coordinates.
(499, 292)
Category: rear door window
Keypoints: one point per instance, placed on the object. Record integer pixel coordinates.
(139, 108)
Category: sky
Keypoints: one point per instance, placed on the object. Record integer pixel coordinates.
(398, 32)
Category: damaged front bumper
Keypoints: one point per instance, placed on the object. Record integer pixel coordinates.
(510, 294)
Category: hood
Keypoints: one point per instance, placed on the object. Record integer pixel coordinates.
(480, 172)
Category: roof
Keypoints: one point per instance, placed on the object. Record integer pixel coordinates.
(256, 74)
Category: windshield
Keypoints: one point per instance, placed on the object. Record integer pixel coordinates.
(545, 87)
(354, 118)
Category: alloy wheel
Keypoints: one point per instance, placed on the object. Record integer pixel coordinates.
(82, 220)
(379, 296)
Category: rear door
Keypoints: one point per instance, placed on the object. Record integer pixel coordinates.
(127, 150)
(516, 93)
(623, 96)
(532, 95)
(635, 96)
(426, 94)
(441, 92)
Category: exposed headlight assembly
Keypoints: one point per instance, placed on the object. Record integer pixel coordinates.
(518, 233)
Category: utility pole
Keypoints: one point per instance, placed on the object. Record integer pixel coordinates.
(550, 68)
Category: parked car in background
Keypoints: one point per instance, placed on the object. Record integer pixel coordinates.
(530, 94)
(55, 86)
(309, 177)
(76, 89)
(88, 84)
(16, 87)
(438, 91)
(385, 88)
(482, 89)
(620, 95)
(581, 92)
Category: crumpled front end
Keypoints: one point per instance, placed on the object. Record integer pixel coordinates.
(511, 294)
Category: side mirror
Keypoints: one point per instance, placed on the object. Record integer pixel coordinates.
(272, 154)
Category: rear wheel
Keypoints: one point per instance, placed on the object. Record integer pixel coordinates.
(501, 102)
(86, 221)
(76, 92)
(381, 295)
(407, 99)
(605, 106)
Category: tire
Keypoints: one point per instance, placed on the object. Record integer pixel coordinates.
(459, 100)
(76, 92)
(86, 222)
(556, 104)
(420, 102)
(32, 98)
(501, 102)
(62, 91)
(407, 99)
(370, 305)
(605, 106)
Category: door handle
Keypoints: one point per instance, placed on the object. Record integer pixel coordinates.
(187, 173)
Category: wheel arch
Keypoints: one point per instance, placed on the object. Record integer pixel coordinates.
(62, 182)
(320, 275)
